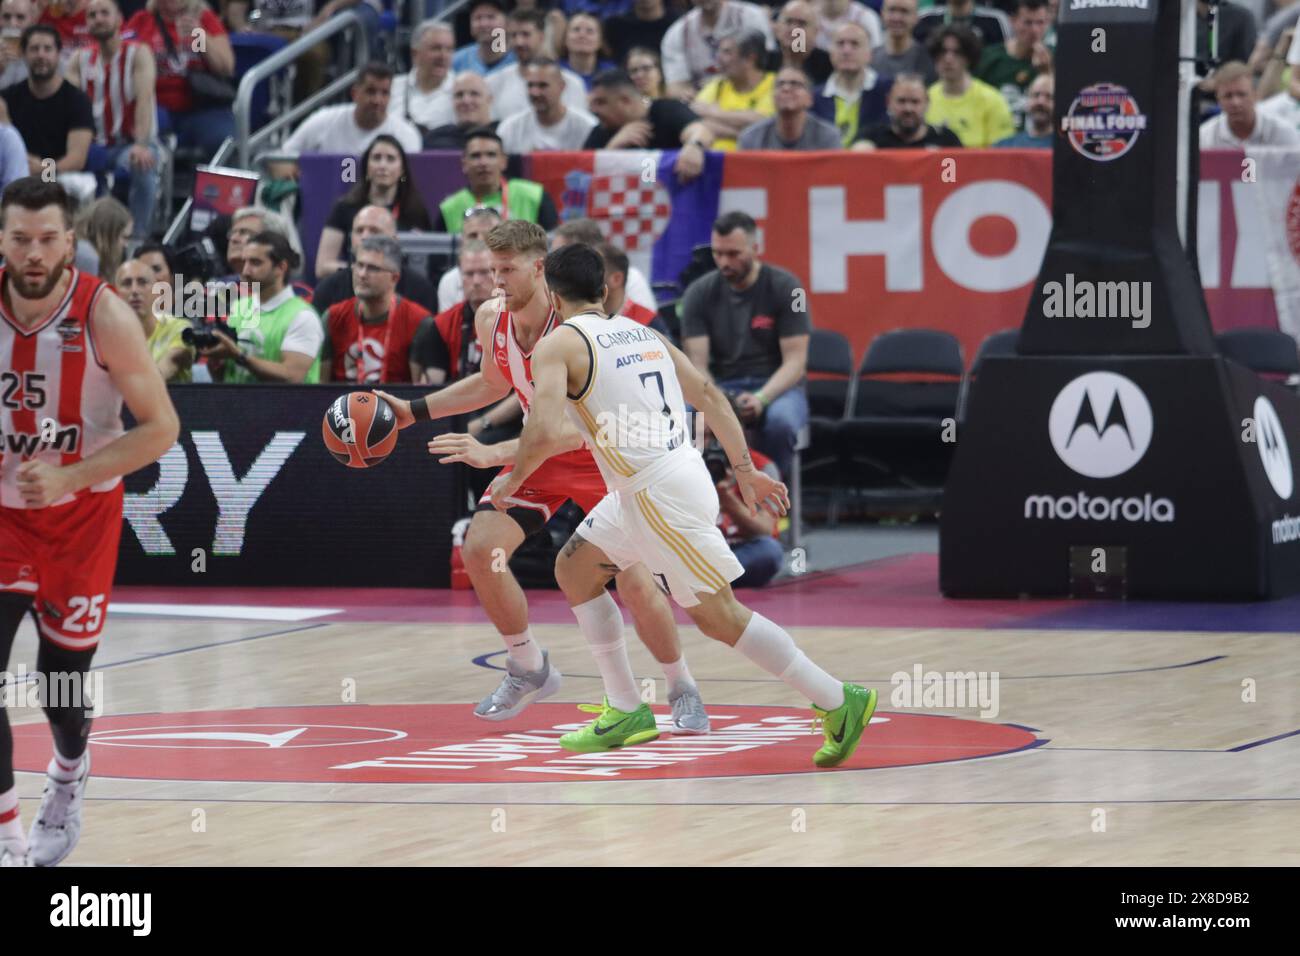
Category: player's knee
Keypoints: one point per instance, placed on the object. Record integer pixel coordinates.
(481, 554)
(636, 590)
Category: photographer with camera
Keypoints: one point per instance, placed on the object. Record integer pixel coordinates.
(751, 537)
(273, 335)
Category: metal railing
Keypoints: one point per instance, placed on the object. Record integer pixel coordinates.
(416, 14)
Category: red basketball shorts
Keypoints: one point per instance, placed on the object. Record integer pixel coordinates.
(64, 559)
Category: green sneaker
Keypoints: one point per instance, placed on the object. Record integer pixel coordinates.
(613, 728)
(843, 726)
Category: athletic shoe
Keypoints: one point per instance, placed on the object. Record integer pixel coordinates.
(58, 822)
(518, 689)
(688, 711)
(8, 856)
(613, 728)
(843, 726)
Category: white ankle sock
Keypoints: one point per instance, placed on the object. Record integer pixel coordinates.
(773, 649)
(601, 624)
(523, 650)
(678, 674)
(63, 769)
(11, 826)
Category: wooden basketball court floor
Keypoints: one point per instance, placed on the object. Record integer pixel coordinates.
(328, 727)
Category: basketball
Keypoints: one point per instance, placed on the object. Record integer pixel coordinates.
(360, 429)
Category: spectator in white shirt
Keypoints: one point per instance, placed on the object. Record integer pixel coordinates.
(526, 31)
(549, 124)
(349, 129)
(423, 96)
(1285, 106)
(690, 47)
(833, 14)
(1240, 124)
(478, 223)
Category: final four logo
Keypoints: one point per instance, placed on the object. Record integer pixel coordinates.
(1103, 122)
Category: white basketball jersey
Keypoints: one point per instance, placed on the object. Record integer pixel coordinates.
(631, 406)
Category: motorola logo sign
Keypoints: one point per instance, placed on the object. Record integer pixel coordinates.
(1274, 452)
(1100, 425)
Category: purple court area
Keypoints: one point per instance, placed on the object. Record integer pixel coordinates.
(891, 592)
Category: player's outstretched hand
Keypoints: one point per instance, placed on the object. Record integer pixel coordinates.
(457, 447)
(759, 490)
(41, 484)
(401, 408)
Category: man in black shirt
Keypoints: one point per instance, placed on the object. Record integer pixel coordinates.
(372, 221)
(53, 116)
(629, 121)
(644, 26)
(907, 128)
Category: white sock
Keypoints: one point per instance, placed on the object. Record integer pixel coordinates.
(678, 675)
(523, 650)
(773, 649)
(64, 769)
(11, 826)
(601, 624)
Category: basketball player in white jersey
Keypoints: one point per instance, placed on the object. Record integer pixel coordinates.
(509, 328)
(71, 352)
(627, 388)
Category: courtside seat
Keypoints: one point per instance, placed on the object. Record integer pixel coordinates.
(1268, 352)
(998, 344)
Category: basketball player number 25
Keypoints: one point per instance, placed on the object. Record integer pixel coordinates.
(33, 394)
(92, 608)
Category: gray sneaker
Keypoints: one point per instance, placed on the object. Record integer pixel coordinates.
(688, 711)
(57, 828)
(518, 689)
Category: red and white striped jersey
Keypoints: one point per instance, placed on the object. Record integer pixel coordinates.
(57, 402)
(111, 89)
(517, 367)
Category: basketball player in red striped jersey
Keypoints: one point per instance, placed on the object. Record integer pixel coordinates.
(510, 326)
(118, 76)
(71, 352)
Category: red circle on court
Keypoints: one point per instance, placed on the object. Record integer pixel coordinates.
(446, 743)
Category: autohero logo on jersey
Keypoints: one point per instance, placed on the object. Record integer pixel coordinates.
(1100, 426)
(75, 909)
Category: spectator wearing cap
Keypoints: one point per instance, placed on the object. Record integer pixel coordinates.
(471, 107)
(371, 221)
(742, 325)
(483, 162)
(971, 108)
(489, 52)
(793, 127)
(279, 334)
(527, 32)
(906, 127)
(900, 51)
(168, 28)
(369, 336)
(548, 124)
(691, 45)
(741, 96)
(447, 349)
(796, 35)
(854, 98)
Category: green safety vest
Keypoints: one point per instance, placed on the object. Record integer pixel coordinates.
(525, 203)
(263, 331)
